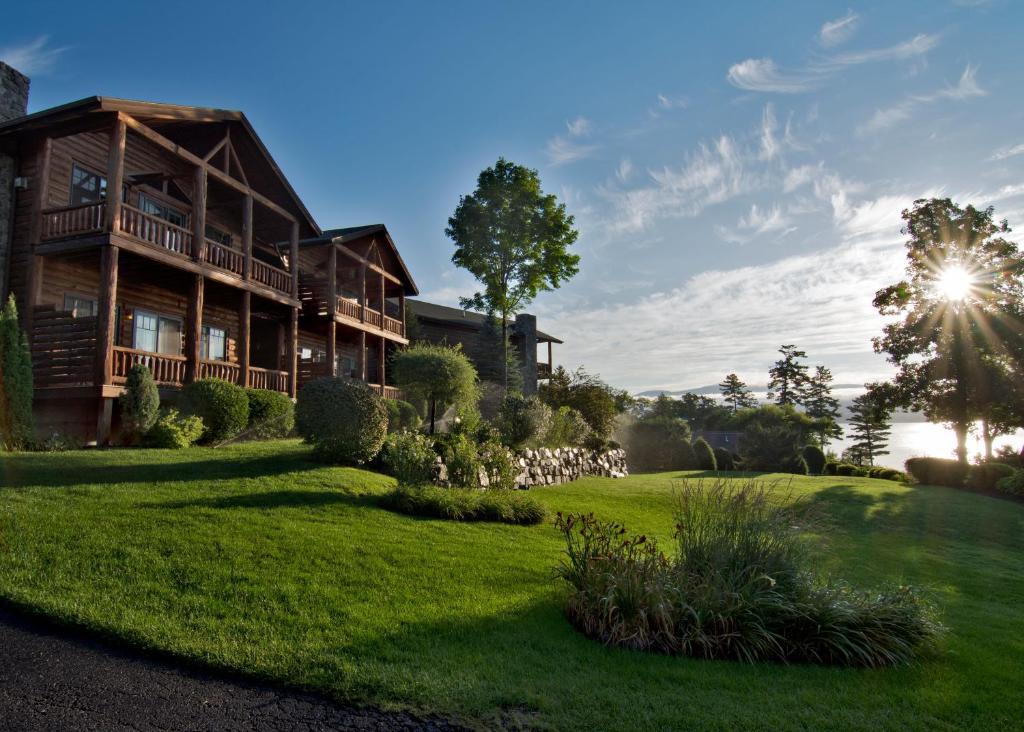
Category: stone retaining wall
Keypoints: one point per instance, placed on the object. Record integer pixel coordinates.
(553, 466)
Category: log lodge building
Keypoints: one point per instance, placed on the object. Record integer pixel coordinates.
(156, 234)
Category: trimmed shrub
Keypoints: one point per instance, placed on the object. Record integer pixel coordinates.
(568, 428)
(937, 471)
(409, 457)
(174, 431)
(439, 376)
(223, 407)
(522, 420)
(724, 459)
(1012, 484)
(772, 448)
(510, 507)
(891, 474)
(659, 443)
(140, 404)
(849, 469)
(344, 420)
(815, 459)
(401, 415)
(704, 455)
(271, 414)
(986, 476)
(17, 428)
(741, 586)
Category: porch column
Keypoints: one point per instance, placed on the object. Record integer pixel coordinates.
(332, 308)
(194, 328)
(115, 173)
(362, 292)
(362, 355)
(293, 352)
(244, 337)
(106, 318)
(381, 358)
(199, 215)
(34, 263)
(401, 310)
(382, 303)
(247, 236)
(294, 259)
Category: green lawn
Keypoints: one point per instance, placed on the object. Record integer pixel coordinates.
(254, 559)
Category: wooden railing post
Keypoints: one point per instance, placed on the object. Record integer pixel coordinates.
(293, 352)
(381, 358)
(247, 236)
(199, 215)
(401, 310)
(244, 337)
(194, 329)
(362, 355)
(362, 295)
(115, 173)
(105, 339)
(293, 259)
(332, 309)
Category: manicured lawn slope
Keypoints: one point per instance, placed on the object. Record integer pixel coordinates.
(253, 558)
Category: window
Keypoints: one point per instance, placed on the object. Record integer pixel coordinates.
(86, 186)
(345, 365)
(157, 333)
(78, 306)
(214, 344)
(218, 235)
(162, 211)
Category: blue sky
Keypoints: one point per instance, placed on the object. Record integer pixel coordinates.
(736, 171)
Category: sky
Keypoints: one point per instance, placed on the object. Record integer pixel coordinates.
(736, 171)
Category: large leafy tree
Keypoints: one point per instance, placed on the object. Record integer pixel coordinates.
(514, 239)
(958, 331)
(787, 379)
(735, 393)
(820, 404)
(869, 426)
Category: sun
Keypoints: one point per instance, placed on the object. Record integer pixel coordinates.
(954, 282)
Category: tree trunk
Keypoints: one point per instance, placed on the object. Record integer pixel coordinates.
(504, 349)
(961, 441)
(988, 437)
(433, 404)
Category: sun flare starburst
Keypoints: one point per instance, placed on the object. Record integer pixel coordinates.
(954, 282)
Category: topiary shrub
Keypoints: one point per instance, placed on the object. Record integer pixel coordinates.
(724, 459)
(439, 376)
(986, 476)
(659, 443)
(140, 404)
(271, 414)
(849, 469)
(401, 415)
(815, 459)
(174, 431)
(704, 455)
(344, 420)
(937, 471)
(1012, 484)
(522, 420)
(223, 407)
(772, 448)
(409, 457)
(830, 468)
(17, 429)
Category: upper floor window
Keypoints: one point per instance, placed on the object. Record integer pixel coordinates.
(86, 186)
(161, 210)
(78, 306)
(214, 344)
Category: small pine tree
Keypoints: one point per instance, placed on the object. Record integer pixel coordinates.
(735, 393)
(870, 425)
(16, 426)
(821, 405)
(140, 404)
(788, 377)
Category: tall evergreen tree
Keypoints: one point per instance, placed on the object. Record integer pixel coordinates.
(16, 424)
(788, 377)
(869, 425)
(820, 404)
(735, 393)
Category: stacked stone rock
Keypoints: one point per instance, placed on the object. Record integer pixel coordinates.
(546, 466)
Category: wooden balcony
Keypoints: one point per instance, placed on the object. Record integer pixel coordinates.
(169, 370)
(88, 219)
(352, 311)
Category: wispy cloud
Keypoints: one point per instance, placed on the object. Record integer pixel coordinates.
(966, 88)
(35, 57)
(568, 148)
(625, 170)
(667, 102)
(757, 222)
(578, 127)
(916, 46)
(762, 75)
(836, 31)
(769, 144)
(1008, 152)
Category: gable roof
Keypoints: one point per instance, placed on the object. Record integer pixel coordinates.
(350, 234)
(159, 115)
(455, 316)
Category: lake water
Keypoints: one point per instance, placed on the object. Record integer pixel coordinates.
(915, 439)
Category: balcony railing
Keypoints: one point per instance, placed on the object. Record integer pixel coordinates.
(374, 318)
(268, 379)
(220, 370)
(89, 218)
(166, 369)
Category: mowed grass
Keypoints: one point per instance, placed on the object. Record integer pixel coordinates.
(254, 559)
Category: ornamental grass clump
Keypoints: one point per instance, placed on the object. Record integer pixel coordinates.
(741, 586)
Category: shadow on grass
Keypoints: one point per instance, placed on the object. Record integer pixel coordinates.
(66, 469)
(274, 499)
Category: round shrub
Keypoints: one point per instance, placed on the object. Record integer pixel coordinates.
(937, 471)
(140, 404)
(830, 468)
(815, 459)
(401, 415)
(174, 431)
(522, 419)
(223, 407)
(704, 455)
(409, 457)
(271, 414)
(849, 469)
(986, 476)
(724, 459)
(344, 420)
(1013, 484)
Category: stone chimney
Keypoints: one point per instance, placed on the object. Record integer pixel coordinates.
(526, 342)
(13, 104)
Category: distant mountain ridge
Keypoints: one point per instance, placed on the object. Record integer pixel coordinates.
(715, 389)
